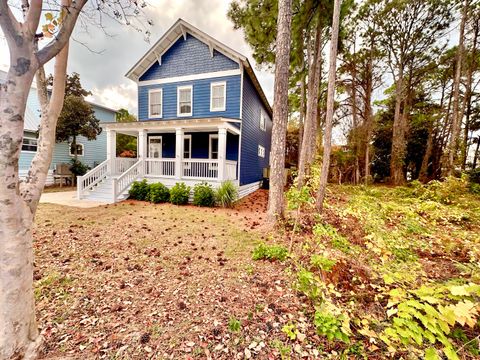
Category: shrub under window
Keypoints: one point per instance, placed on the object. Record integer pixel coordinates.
(158, 193)
(139, 190)
(203, 195)
(179, 194)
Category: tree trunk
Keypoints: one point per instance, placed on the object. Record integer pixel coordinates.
(423, 176)
(308, 148)
(368, 110)
(327, 142)
(456, 116)
(476, 155)
(280, 113)
(398, 137)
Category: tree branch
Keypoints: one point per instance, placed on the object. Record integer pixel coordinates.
(54, 47)
(9, 25)
(33, 15)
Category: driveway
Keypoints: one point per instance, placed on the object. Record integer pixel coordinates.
(68, 198)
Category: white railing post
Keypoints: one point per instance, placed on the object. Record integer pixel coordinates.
(114, 183)
(111, 151)
(142, 148)
(79, 187)
(222, 152)
(178, 152)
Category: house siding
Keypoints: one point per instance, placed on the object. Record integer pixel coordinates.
(188, 57)
(252, 165)
(201, 99)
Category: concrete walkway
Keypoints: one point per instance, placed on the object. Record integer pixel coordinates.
(68, 198)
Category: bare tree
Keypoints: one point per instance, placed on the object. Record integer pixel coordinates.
(280, 112)
(456, 116)
(327, 142)
(19, 337)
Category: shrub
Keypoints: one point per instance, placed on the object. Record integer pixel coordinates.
(474, 176)
(179, 194)
(227, 194)
(158, 193)
(139, 190)
(203, 195)
(78, 168)
(269, 252)
(323, 263)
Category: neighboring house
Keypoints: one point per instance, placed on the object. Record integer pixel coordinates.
(90, 153)
(202, 116)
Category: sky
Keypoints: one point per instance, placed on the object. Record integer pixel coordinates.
(102, 60)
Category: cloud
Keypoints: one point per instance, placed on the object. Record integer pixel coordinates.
(103, 70)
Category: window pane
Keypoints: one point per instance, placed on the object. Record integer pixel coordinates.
(29, 144)
(185, 108)
(185, 95)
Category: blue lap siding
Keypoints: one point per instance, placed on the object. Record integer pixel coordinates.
(201, 99)
(252, 165)
(188, 57)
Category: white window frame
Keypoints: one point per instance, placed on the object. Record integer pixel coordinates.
(179, 88)
(263, 121)
(212, 136)
(78, 144)
(190, 146)
(212, 85)
(261, 151)
(150, 115)
(30, 138)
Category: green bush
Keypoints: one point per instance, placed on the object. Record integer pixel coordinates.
(270, 252)
(203, 195)
(474, 176)
(78, 168)
(179, 194)
(226, 194)
(139, 190)
(158, 193)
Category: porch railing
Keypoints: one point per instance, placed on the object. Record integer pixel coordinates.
(122, 183)
(200, 169)
(123, 164)
(92, 178)
(159, 167)
(230, 170)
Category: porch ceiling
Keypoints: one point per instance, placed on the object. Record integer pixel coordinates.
(199, 125)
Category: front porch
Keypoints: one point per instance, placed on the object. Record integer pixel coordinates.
(168, 151)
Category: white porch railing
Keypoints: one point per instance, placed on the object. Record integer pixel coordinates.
(200, 169)
(230, 170)
(159, 167)
(122, 183)
(122, 164)
(92, 178)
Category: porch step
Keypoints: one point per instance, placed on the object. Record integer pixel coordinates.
(104, 192)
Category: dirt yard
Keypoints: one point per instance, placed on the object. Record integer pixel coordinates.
(142, 281)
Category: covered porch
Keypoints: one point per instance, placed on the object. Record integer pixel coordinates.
(180, 150)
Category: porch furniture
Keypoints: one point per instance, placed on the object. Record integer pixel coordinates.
(62, 173)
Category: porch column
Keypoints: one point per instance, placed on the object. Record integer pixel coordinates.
(142, 144)
(178, 152)
(222, 152)
(111, 150)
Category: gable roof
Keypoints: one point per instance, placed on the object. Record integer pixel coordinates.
(181, 28)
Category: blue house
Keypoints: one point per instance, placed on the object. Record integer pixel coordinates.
(202, 117)
(89, 152)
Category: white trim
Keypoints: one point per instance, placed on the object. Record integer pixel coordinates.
(241, 91)
(148, 146)
(189, 137)
(179, 88)
(210, 137)
(218, 83)
(150, 92)
(70, 149)
(210, 75)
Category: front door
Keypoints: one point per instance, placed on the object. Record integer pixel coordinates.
(155, 147)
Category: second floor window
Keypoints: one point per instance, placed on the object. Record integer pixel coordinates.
(263, 121)
(217, 96)
(184, 101)
(155, 103)
(29, 144)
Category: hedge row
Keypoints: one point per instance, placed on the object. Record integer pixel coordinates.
(203, 193)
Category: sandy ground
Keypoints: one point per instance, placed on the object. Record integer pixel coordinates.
(68, 198)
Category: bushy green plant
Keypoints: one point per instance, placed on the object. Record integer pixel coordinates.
(139, 190)
(322, 262)
(158, 193)
(330, 326)
(78, 168)
(429, 314)
(234, 325)
(270, 252)
(179, 194)
(203, 195)
(338, 241)
(474, 176)
(226, 194)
